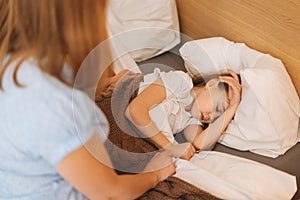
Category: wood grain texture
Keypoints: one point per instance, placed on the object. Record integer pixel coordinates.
(269, 26)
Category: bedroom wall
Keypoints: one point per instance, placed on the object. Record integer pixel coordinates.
(269, 26)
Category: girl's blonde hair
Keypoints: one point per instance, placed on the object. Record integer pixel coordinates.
(53, 32)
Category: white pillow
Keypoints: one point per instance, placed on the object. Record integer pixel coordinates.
(267, 119)
(145, 28)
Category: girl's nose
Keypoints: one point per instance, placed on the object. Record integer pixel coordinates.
(208, 116)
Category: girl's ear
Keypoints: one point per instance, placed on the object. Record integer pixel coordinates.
(212, 82)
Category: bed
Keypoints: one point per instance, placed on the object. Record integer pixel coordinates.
(289, 162)
(268, 26)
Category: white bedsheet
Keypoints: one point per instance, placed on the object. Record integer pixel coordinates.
(234, 178)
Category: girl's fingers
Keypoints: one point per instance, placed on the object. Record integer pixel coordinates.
(233, 74)
(189, 152)
(231, 82)
(234, 89)
(119, 75)
(192, 150)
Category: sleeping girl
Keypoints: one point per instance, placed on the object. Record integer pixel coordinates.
(170, 102)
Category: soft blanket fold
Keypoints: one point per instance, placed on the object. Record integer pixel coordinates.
(130, 152)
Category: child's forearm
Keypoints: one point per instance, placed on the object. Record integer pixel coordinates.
(160, 140)
(148, 128)
(154, 134)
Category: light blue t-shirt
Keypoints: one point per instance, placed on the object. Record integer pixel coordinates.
(40, 124)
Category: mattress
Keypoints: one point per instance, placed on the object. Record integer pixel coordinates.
(289, 162)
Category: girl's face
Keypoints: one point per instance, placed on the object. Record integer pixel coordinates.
(209, 104)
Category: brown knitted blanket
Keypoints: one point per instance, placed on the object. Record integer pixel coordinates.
(130, 152)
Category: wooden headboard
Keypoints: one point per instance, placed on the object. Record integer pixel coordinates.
(269, 26)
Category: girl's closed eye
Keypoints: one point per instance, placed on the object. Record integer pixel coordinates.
(218, 109)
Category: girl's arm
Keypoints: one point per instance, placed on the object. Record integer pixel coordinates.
(191, 131)
(109, 78)
(89, 170)
(204, 139)
(138, 113)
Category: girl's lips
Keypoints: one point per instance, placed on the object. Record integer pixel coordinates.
(203, 119)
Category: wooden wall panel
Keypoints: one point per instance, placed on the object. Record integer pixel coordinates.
(269, 26)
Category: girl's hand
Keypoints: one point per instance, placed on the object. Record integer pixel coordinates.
(106, 85)
(119, 75)
(162, 165)
(235, 88)
(184, 150)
